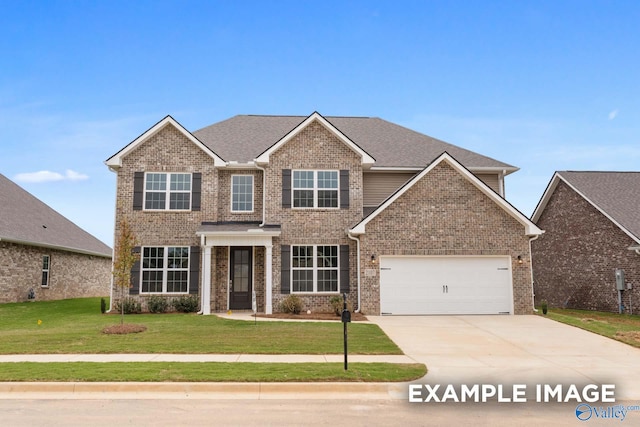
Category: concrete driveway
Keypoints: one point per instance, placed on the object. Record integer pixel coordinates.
(513, 350)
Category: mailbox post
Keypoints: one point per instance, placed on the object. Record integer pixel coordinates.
(346, 318)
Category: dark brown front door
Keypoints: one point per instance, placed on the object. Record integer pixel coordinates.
(240, 275)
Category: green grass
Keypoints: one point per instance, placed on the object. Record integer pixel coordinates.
(620, 327)
(210, 372)
(75, 326)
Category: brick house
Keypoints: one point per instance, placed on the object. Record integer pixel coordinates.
(43, 255)
(592, 226)
(318, 206)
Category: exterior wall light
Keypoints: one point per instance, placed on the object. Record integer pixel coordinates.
(373, 259)
(520, 260)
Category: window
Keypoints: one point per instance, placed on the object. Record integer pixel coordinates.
(315, 189)
(165, 269)
(242, 193)
(177, 192)
(45, 270)
(314, 268)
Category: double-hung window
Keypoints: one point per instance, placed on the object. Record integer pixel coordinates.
(167, 191)
(165, 269)
(315, 189)
(242, 193)
(314, 268)
(45, 270)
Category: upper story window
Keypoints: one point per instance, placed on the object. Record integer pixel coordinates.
(167, 191)
(165, 269)
(315, 189)
(242, 193)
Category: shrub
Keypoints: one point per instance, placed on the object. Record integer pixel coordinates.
(129, 306)
(157, 304)
(186, 304)
(337, 305)
(103, 305)
(291, 304)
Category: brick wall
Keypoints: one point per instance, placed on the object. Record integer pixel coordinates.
(71, 275)
(575, 259)
(444, 214)
(224, 196)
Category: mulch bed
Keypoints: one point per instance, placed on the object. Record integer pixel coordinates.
(127, 328)
(355, 317)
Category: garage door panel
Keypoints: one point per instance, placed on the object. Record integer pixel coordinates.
(445, 285)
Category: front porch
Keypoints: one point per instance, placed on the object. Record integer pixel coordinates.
(237, 263)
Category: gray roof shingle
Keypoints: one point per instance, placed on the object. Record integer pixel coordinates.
(615, 193)
(242, 138)
(26, 219)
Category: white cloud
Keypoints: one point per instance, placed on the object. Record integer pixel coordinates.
(48, 176)
(613, 114)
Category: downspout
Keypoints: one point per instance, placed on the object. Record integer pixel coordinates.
(357, 239)
(531, 239)
(264, 193)
(113, 250)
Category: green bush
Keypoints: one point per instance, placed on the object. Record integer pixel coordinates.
(129, 305)
(186, 304)
(103, 305)
(337, 305)
(291, 304)
(157, 304)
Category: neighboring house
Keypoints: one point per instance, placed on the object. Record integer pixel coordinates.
(318, 206)
(592, 224)
(43, 255)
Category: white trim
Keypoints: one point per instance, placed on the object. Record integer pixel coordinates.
(114, 162)
(477, 169)
(315, 270)
(167, 192)
(551, 188)
(56, 247)
(315, 189)
(530, 228)
(253, 193)
(366, 159)
(268, 279)
(165, 270)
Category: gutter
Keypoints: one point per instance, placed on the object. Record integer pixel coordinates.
(357, 239)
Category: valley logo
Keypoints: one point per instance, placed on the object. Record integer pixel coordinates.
(585, 412)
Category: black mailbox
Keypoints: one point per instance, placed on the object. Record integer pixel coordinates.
(346, 316)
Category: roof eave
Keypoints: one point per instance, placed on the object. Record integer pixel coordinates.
(56, 247)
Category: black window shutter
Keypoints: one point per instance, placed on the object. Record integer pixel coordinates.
(286, 188)
(344, 268)
(138, 190)
(344, 189)
(285, 271)
(134, 289)
(196, 185)
(194, 269)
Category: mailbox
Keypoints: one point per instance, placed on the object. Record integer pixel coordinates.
(346, 316)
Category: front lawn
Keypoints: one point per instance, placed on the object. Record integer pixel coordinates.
(620, 327)
(75, 326)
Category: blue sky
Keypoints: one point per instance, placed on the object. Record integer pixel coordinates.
(542, 85)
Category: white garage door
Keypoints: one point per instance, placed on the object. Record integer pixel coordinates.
(445, 285)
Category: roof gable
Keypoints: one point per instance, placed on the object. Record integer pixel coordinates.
(367, 160)
(530, 228)
(26, 220)
(614, 194)
(115, 161)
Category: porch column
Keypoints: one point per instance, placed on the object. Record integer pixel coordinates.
(206, 281)
(268, 272)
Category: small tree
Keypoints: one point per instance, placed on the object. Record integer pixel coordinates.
(125, 258)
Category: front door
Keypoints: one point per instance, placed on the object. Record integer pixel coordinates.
(240, 278)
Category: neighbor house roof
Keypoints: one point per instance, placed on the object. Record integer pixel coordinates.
(243, 138)
(24, 219)
(615, 194)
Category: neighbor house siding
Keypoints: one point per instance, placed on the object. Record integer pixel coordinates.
(444, 214)
(72, 275)
(575, 259)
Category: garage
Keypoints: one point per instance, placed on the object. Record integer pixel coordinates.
(445, 285)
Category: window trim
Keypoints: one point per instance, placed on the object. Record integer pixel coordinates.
(315, 189)
(46, 271)
(315, 269)
(252, 194)
(167, 192)
(165, 270)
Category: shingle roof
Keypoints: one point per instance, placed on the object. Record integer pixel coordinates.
(616, 194)
(242, 138)
(25, 219)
